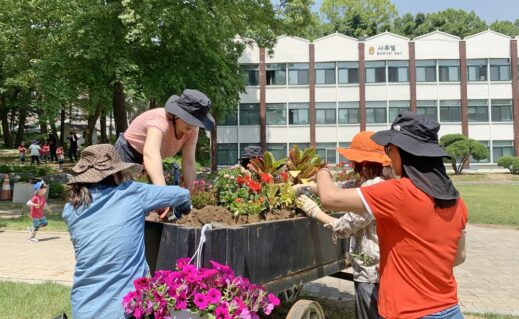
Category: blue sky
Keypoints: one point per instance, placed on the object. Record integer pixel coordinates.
(489, 10)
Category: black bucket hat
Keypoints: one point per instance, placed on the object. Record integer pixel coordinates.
(193, 108)
(414, 133)
(251, 151)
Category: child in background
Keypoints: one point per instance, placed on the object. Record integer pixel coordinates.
(45, 152)
(37, 204)
(34, 149)
(21, 151)
(60, 155)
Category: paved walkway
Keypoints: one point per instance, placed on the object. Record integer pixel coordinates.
(488, 280)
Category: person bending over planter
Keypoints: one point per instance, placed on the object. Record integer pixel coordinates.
(368, 160)
(105, 218)
(163, 132)
(420, 221)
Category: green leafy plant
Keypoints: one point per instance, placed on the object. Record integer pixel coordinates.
(508, 163)
(56, 190)
(306, 163)
(202, 194)
(266, 164)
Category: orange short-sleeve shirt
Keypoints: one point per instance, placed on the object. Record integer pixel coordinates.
(418, 246)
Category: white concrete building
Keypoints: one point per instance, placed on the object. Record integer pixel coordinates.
(323, 92)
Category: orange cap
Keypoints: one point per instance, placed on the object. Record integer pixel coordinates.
(363, 149)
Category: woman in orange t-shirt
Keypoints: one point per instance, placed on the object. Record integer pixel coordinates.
(420, 221)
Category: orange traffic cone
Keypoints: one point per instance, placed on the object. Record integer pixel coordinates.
(6, 193)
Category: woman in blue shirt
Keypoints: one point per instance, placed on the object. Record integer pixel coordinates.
(105, 218)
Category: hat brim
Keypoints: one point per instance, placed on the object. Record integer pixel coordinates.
(409, 144)
(360, 156)
(207, 122)
(92, 176)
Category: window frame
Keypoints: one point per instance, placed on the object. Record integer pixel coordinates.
(276, 107)
(373, 107)
(350, 68)
(252, 107)
(325, 67)
(348, 106)
(427, 66)
(275, 72)
(292, 107)
(302, 71)
(448, 66)
(450, 106)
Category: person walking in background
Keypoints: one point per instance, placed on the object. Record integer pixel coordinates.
(60, 155)
(45, 152)
(37, 204)
(52, 147)
(73, 146)
(368, 162)
(420, 218)
(21, 153)
(34, 150)
(104, 215)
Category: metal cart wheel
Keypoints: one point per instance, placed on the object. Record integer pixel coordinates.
(290, 295)
(306, 309)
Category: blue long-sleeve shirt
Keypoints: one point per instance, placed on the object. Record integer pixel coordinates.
(108, 239)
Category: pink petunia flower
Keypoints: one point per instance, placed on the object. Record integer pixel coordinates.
(200, 301)
(214, 296)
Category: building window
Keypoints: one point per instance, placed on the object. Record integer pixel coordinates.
(486, 160)
(502, 148)
(276, 74)
(227, 119)
(279, 150)
(450, 111)
(244, 145)
(325, 73)
(477, 70)
(500, 70)
(449, 70)
(375, 72)
(376, 112)
(250, 74)
(348, 112)
(502, 111)
(426, 71)
(325, 113)
(249, 114)
(298, 113)
(478, 110)
(427, 107)
(298, 74)
(397, 107)
(327, 152)
(227, 154)
(348, 72)
(340, 157)
(398, 71)
(276, 114)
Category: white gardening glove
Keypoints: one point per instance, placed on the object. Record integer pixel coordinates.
(312, 186)
(308, 206)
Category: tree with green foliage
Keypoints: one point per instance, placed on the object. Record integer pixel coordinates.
(510, 163)
(460, 149)
(511, 29)
(357, 18)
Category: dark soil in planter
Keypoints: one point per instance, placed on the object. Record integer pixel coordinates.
(217, 214)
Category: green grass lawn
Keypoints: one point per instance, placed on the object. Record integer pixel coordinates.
(492, 203)
(33, 301)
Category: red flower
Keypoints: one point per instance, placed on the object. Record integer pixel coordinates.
(237, 200)
(262, 199)
(266, 178)
(240, 180)
(254, 186)
(284, 176)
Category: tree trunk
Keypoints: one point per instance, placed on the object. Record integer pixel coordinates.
(102, 121)
(91, 123)
(5, 122)
(21, 125)
(119, 107)
(62, 126)
(214, 153)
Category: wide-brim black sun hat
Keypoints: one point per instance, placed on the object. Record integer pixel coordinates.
(251, 151)
(192, 107)
(414, 133)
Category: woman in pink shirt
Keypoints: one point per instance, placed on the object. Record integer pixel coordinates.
(163, 132)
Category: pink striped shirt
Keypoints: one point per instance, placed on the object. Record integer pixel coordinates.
(137, 132)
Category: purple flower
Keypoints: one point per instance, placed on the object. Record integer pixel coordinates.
(200, 301)
(214, 296)
(182, 262)
(222, 312)
(273, 299)
(181, 302)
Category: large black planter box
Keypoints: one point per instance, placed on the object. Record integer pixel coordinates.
(277, 254)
